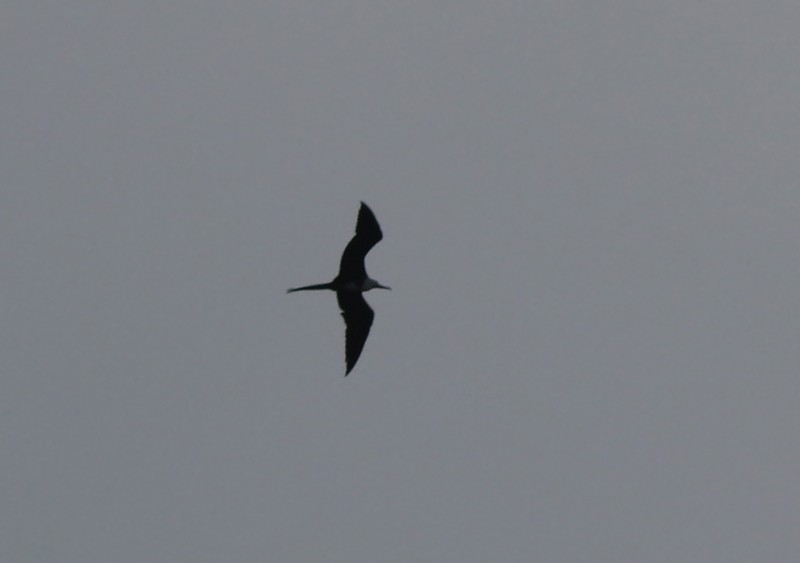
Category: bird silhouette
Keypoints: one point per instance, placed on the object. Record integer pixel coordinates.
(350, 284)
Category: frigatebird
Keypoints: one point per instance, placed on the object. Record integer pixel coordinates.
(352, 282)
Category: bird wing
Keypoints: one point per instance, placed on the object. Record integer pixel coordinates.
(358, 318)
(368, 234)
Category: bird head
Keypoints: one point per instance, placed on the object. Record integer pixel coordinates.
(372, 284)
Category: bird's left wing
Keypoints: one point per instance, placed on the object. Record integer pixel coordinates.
(358, 317)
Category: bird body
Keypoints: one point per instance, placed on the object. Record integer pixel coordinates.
(351, 282)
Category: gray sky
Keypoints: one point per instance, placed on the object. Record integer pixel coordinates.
(590, 212)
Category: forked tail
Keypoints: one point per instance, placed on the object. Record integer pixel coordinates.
(328, 285)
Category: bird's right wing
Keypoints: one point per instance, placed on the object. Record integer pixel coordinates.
(358, 317)
(368, 234)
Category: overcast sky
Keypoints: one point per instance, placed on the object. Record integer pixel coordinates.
(590, 213)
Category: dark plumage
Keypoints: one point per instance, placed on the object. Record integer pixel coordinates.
(351, 282)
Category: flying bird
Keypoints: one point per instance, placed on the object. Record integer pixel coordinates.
(352, 282)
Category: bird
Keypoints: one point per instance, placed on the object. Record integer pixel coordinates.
(350, 284)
